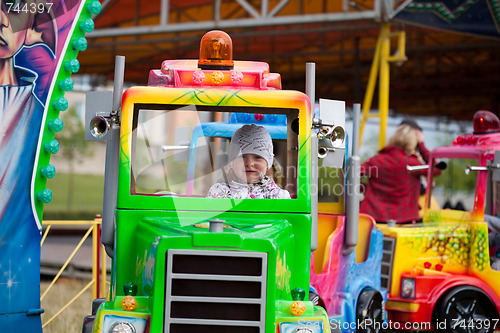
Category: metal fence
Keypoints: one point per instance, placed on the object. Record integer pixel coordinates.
(99, 271)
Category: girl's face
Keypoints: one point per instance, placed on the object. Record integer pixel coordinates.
(250, 167)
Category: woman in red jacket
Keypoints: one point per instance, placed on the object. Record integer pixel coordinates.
(392, 191)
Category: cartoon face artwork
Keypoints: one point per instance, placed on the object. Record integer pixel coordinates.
(28, 57)
(13, 30)
(19, 28)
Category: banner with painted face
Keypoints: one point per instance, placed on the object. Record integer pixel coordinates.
(35, 42)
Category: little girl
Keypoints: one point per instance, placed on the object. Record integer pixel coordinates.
(250, 157)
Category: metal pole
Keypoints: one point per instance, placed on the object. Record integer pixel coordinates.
(98, 254)
(118, 84)
(310, 92)
(95, 263)
(112, 159)
(353, 184)
(164, 12)
(370, 89)
(383, 85)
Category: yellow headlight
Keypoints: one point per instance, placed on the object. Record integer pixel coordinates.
(298, 308)
(129, 303)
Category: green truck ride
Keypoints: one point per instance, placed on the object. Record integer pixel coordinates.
(183, 262)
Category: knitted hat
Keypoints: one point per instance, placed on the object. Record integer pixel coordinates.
(252, 139)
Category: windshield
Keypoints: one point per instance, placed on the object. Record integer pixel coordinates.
(183, 151)
(455, 187)
(330, 183)
(495, 209)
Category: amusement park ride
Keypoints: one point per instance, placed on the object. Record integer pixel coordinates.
(183, 262)
(190, 251)
(205, 264)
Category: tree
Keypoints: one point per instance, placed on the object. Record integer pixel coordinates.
(73, 147)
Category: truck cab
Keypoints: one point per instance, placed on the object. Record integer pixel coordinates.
(439, 273)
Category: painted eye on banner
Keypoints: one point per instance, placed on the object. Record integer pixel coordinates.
(10, 4)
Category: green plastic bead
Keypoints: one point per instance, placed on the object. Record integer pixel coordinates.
(94, 7)
(44, 196)
(56, 125)
(60, 104)
(48, 171)
(80, 44)
(66, 84)
(298, 294)
(87, 25)
(130, 289)
(51, 147)
(72, 66)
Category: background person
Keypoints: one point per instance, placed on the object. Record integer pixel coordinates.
(423, 154)
(392, 192)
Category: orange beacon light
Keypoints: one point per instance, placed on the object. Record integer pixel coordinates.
(216, 51)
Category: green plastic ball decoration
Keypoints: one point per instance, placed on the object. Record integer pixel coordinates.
(298, 294)
(56, 125)
(51, 147)
(130, 289)
(60, 104)
(72, 66)
(48, 171)
(44, 196)
(94, 7)
(66, 84)
(87, 25)
(79, 44)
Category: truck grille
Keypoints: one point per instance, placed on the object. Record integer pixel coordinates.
(215, 291)
(386, 265)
